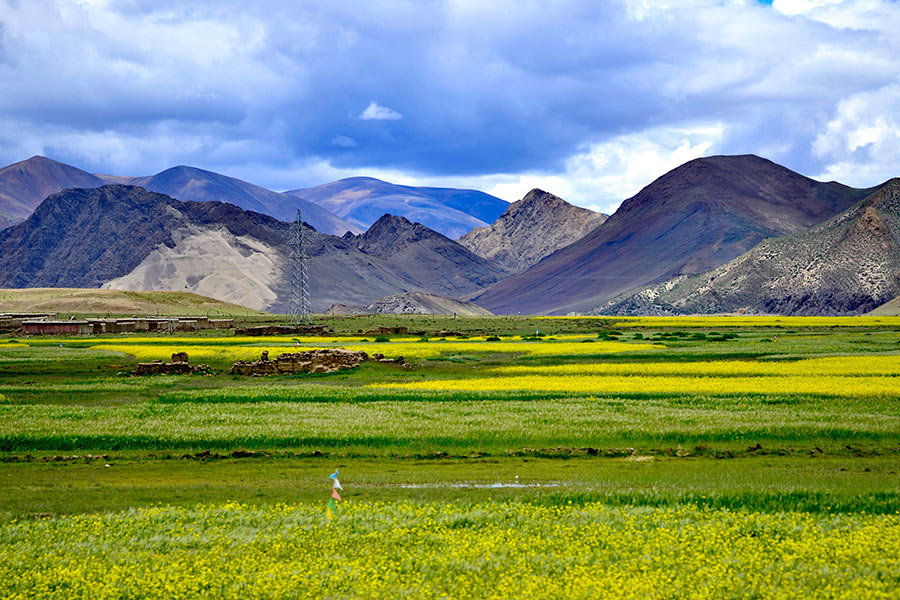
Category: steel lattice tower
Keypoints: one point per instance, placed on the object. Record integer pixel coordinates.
(300, 312)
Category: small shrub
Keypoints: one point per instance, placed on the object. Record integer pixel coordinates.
(492, 338)
(382, 338)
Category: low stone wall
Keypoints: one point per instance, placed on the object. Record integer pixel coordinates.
(158, 367)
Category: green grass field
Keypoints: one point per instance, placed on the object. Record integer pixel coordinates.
(593, 428)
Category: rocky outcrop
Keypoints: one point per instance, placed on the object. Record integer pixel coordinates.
(420, 303)
(326, 360)
(531, 228)
(845, 266)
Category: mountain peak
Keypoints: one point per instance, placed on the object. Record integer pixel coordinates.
(539, 195)
(391, 230)
(531, 228)
(25, 184)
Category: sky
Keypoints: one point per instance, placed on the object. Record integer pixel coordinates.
(588, 100)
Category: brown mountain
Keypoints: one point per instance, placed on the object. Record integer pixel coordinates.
(25, 184)
(124, 237)
(694, 218)
(848, 265)
(531, 228)
(424, 255)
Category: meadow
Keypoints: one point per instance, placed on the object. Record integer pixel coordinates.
(508, 457)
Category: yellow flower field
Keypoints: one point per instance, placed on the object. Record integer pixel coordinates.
(489, 550)
(845, 366)
(409, 350)
(833, 385)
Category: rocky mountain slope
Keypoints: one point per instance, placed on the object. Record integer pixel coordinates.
(124, 237)
(847, 265)
(695, 217)
(416, 303)
(362, 201)
(25, 184)
(197, 185)
(531, 228)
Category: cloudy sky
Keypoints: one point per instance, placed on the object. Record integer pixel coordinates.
(590, 100)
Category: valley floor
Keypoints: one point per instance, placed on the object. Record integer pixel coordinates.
(586, 457)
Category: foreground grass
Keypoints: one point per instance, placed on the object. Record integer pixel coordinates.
(498, 550)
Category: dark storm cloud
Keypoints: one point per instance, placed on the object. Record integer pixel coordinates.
(471, 88)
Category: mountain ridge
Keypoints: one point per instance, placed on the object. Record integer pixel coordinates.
(25, 184)
(847, 265)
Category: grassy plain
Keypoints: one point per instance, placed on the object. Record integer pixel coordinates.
(658, 458)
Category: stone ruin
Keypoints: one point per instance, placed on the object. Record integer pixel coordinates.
(328, 360)
(179, 366)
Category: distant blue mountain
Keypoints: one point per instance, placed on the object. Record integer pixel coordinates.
(363, 200)
(197, 185)
(24, 185)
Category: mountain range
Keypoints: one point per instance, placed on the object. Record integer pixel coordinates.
(847, 265)
(124, 237)
(197, 185)
(694, 218)
(717, 234)
(453, 212)
(362, 200)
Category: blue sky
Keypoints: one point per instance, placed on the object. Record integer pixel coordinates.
(590, 100)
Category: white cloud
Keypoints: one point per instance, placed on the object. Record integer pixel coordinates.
(843, 14)
(599, 177)
(280, 94)
(860, 145)
(342, 141)
(604, 174)
(376, 112)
